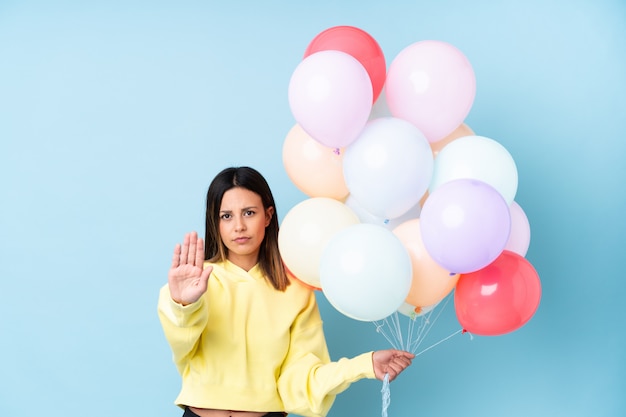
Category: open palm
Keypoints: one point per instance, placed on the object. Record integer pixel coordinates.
(187, 279)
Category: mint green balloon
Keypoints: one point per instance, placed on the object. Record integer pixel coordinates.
(477, 158)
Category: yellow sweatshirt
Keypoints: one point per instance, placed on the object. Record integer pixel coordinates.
(246, 346)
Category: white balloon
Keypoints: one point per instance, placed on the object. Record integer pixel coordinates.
(478, 158)
(305, 231)
(365, 272)
(389, 167)
(413, 312)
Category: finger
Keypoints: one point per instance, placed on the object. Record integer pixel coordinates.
(191, 255)
(184, 251)
(176, 256)
(404, 353)
(394, 370)
(200, 253)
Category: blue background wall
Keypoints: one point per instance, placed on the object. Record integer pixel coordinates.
(114, 116)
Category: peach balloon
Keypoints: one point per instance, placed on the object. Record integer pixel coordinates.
(430, 282)
(459, 132)
(315, 169)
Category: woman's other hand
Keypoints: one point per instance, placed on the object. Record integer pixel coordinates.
(392, 362)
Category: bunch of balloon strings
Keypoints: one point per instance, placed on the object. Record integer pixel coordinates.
(411, 338)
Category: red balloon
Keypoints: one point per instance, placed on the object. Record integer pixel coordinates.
(498, 298)
(358, 43)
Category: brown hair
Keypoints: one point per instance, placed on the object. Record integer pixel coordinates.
(270, 261)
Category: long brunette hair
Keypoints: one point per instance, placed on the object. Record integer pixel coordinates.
(270, 261)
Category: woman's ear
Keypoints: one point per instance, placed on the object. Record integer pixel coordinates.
(269, 212)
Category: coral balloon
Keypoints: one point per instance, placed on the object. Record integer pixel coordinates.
(365, 272)
(330, 96)
(464, 225)
(315, 169)
(499, 298)
(432, 85)
(305, 231)
(430, 282)
(357, 43)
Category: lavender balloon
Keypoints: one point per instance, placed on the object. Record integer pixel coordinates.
(465, 225)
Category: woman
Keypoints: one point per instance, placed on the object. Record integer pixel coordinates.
(247, 341)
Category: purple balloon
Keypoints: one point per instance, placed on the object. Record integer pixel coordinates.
(465, 225)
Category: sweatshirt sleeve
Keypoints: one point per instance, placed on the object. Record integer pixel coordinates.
(182, 325)
(309, 381)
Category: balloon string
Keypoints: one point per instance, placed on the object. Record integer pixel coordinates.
(441, 341)
(395, 320)
(380, 328)
(426, 326)
(386, 395)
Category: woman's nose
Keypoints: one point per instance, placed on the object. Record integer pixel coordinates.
(240, 223)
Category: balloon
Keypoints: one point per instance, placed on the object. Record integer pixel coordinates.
(413, 312)
(389, 167)
(295, 278)
(430, 282)
(315, 169)
(330, 96)
(465, 224)
(305, 231)
(519, 240)
(432, 85)
(390, 224)
(479, 158)
(459, 132)
(380, 107)
(499, 298)
(357, 43)
(365, 272)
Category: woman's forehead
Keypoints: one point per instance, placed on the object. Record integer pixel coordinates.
(238, 198)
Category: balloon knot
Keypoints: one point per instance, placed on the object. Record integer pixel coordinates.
(337, 151)
(452, 274)
(386, 221)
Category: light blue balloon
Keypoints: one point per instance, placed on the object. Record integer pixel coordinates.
(365, 272)
(389, 167)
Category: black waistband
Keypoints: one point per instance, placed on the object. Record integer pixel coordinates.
(189, 413)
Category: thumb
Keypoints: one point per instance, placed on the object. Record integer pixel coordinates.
(204, 277)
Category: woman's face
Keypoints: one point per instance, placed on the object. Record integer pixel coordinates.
(242, 225)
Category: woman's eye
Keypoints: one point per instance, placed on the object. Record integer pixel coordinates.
(225, 216)
(249, 213)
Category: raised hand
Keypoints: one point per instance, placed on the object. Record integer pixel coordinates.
(391, 362)
(187, 279)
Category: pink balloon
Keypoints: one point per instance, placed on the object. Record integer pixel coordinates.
(519, 240)
(432, 85)
(465, 224)
(330, 95)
